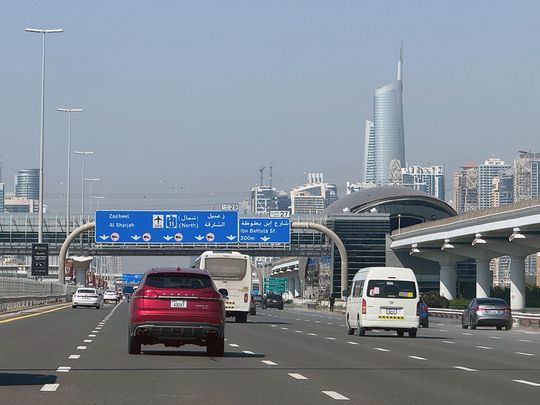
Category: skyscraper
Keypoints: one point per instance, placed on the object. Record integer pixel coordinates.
(27, 184)
(493, 167)
(369, 153)
(429, 179)
(388, 127)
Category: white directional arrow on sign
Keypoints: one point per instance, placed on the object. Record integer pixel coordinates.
(231, 237)
(135, 237)
(199, 237)
(265, 238)
(104, 237)
(167, 237)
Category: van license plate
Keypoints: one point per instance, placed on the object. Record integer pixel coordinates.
(178, 304)
(392, 311)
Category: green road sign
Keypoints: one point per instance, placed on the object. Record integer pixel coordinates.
(276, 285)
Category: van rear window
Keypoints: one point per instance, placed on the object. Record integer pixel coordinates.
(391, 289)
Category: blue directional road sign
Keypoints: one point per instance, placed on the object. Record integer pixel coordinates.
(128, 278)
(264, 230)
(167, 227)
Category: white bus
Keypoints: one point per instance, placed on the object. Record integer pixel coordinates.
(232, 271)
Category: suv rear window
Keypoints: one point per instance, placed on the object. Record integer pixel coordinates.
(176, 280)
(391, 289)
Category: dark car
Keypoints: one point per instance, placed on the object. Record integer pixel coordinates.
(423, 313)
(487, 312)
(272, 300)
(175, 307)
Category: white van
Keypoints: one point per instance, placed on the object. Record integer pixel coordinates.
(383, 298)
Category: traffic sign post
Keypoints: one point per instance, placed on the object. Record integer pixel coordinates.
(40, 259)
(166, 227)
(264, 230)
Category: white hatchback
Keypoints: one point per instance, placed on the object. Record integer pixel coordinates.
(88, 297)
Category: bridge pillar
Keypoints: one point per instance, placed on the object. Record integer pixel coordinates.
(484, 278)
(447, 283)
(65, 247)
(517, 283)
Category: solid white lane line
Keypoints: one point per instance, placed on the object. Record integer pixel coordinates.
(331, 338)
(312, 334)
(63, 369)
(449, 342)
(74, 356)
(248, 352)
(527, 382)
(335, 395)
(524, 354)
(495, 337)
(87, 341)
(466, 334)
(233, 345)
(352, 343)
(417, 358)
(91, 335)
(297, 376)
(464, 368)
(381, 349)
(81, 347)
(50, 387)
(269, 362)
(484, 347)
(525, 340)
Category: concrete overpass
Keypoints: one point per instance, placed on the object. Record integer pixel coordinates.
(482, 235)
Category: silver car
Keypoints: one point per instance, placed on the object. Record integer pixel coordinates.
(487, 312)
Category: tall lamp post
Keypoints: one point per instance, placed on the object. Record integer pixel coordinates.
(83, 154)
(42, 132)
(68, 193)
(91, 192)
(97, 198)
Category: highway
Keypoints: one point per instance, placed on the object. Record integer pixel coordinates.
(294, 356)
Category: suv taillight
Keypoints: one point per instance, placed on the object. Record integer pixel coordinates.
(363, 306)
(144, 293)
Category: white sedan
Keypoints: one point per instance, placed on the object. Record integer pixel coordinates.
(88, 297)
(110, 295)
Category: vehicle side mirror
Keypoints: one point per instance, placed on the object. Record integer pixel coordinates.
(224, 292)
(345, 293)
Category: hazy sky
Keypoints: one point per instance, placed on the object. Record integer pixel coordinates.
(185, 100)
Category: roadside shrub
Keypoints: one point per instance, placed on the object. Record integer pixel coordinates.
(459, 303)
(532, 295)
(434, 300)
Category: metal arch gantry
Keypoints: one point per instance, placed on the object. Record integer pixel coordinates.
(294, 225)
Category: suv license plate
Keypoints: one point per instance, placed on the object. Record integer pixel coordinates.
(178, 304)
(392, 311)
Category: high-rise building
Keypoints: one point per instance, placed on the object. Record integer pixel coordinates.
(369, 153)
(429, 179)
(466, 188)
(2, 196)
(388, 127)
(27, 184)
(502, 189)
(262, 199)
(527, 176)
(493, 167)
(314, 196)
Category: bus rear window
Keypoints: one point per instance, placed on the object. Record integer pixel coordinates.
(226, 268)
(391, 289)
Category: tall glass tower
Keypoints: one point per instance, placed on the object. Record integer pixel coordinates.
(388, 122)
(369, 153)
(27, 184)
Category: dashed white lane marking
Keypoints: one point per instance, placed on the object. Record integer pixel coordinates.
(74, 356)
(273, 326)
(285, 328)
(312, 334)
(63, 369)
(269, 362)
(95, 331)
(438, 324)
(50, 387)
(527, 382)
(495, 337)
(524, 354)
(98, 328)
(233, 345)
(381, 349)
(317, 321)
(449, 342)
(91, 335)
(329, 323)
(299, 331)
(484, 347)
(81, 347)
(443, 330)
(297, 319)
(87, 340)
(352, 343)
(466, 334)
(335, 395)
(464, 368)
(297, 376)
(248, 352)
(417, 358)
(330, 338)
(526, 341)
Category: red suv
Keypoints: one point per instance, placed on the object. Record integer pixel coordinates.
(175, 307)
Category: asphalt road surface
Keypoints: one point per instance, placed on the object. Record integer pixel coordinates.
(79, 356)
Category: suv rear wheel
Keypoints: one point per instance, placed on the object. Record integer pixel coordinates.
(216, 347)
(134, 347)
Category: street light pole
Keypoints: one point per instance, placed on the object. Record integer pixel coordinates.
(68, 193)
(91, 192)
(97, 198)
(83, 154)
(42, 132)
